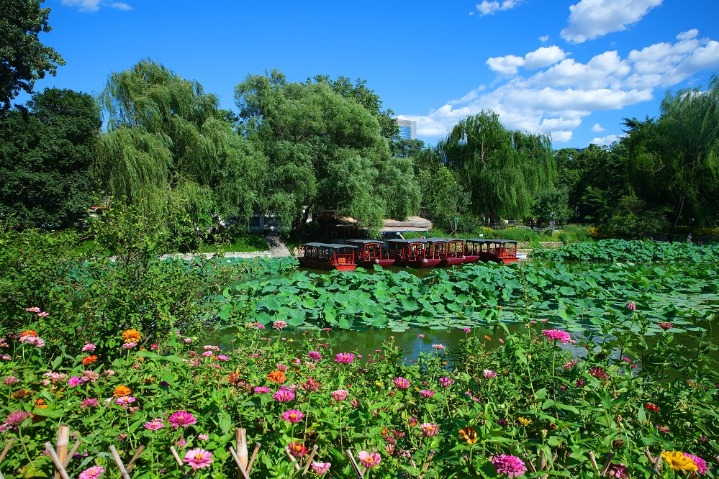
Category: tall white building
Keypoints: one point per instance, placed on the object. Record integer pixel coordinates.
(407, 129)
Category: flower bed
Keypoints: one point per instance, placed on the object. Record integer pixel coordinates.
(542, 401)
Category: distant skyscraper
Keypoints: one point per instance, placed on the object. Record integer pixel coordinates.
(407, 129)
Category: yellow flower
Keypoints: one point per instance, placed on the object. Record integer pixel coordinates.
(468, 434)
(131, 336)
(488, 338)
(524, 421)
(378, 384)
(678, 461)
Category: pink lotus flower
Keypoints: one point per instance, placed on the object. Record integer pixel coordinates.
(155, 424)
(369, 460)
(557, 335)
(512, 466)
(340, 394)
(321, 468)
(198, 458)
(279, 325)
(401, 383)
(91, 472)
(181, 419)
(284, 395)
(344, 358)
(293, 415)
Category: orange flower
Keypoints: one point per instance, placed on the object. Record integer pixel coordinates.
(28, 332)
(87, 360)
(121, 391)
(21, 393)
(131, 336)
(277, 377)
(468, 434)
(40, 404)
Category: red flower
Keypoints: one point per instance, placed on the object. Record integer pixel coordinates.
(651, 407)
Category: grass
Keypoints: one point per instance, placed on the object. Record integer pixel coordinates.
(246, 243)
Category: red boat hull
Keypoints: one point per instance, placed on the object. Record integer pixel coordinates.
(326, 265)
(452, 261)
(418, 263)
(379, 262)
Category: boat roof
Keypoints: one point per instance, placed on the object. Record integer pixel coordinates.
(364, 241)
(406, 241)
(328, 245)
(490, 240)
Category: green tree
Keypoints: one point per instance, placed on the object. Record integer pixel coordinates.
(23, 59)
(171, 151)
(46, 153)
(325, 152)
(502, 170)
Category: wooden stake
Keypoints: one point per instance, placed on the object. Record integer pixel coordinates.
(118, 461)
(56, 460)
(658, 464)
(241, 444)
(607, 463)
(243, 472)
(71, 454)
(174, 454)
(254, 456)
(135, 458)
(593, 460)
(63, 439)
(354, 464)
(309, 459)
(5, 451)
(292, 458)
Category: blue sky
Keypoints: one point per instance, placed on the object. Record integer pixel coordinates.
(571, 68)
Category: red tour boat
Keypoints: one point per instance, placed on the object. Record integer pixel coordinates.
(328, 256)
(369, 253)
(413, 253)
(496, 250)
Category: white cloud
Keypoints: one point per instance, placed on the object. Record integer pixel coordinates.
(557, 96)
(606, 140)
(544, 38)
(490, 7)
(541, 57)
(94, 5)
(590, 19)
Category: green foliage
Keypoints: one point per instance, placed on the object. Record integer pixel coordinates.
(46, 154)
(631, 218)
(23, 59)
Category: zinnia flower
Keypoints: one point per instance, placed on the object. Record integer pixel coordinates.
(344, 358)
(74, 381)
(293, 415)
(88, 348)
(468, 434)
(91, 472)
(339, 394)
(651, 407)
(124, 400)
(181, 419)
(284, 395)
(401, 383)
(198, 458)
(631, 306)
(666, 325)
(89, 402)
(557, 335)
(445, 381)
(155, 424)
(702, 467)
(426, 393)
(297, 449)
(679, 461)
(369, 460)
(321, 468)
(121, 390)
(262, 390)
(429, 429)
(619, 471)
(87, 360)
(131, 336)
(315, 356)
(277, 377)
(512, 466)
(489, 374)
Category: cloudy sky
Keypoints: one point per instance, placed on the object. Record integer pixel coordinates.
(571, 68)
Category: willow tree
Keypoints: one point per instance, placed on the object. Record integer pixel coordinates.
(170, 150)
(502, 170)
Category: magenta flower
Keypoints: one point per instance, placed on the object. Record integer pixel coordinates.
(315, 356)
(74, 382)
(89, 402)
(445, 381)
(345, 358)
(124, 400)
(618, 471)
(262, 390)
(223, 357)
(91, 472)
(401, 383)
(369, 460)
(429, 429)
(557, 335)
(631, 306)
(321, 468)
(489, 374)
(16, 418)
(284, 395)
(181, 419)
(279, 325)
(512, 466)
(340, 394)
(420, 336)
(467, 330)
(198, 458)
(293, 415)
(702, 467)
(89, 347)
(11, 380)
(155, 424)
(426, 393)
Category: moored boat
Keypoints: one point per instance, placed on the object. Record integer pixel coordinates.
(413, 253)
(454, 252)
(495, 250)
(328, 256)
(370, 252)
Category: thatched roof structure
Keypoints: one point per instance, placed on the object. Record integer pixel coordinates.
(412, 223)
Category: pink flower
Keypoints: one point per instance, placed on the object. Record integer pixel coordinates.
(207, 354)
(445, 381)
(512, 466)
(489, 374)
(10, 380)
(262, 390)
(155, 424)
(293, 415)
(369, 460)
(124, 400)
(426, 393)
(89, 402)
(188, 340)
(43, 314)
(315, 356)
(203, 437)
(33, 340)
(279, 325)
(429, 429)
(631, 306)
(181, 419)
(344, 358)
(321, 468)
(618, 471)
(401, 383)
(154, 347)
(34, 309)
(467, 330)
(198, 458)
(282, 367)
(91, 472)
(222, 357)
(74, 382)
(340, 394)
(557, 335)
(438, 347)
(89, 347)
(701, 464)
(129, 345)
(16, 418)
(420, 336)
(284, 395)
